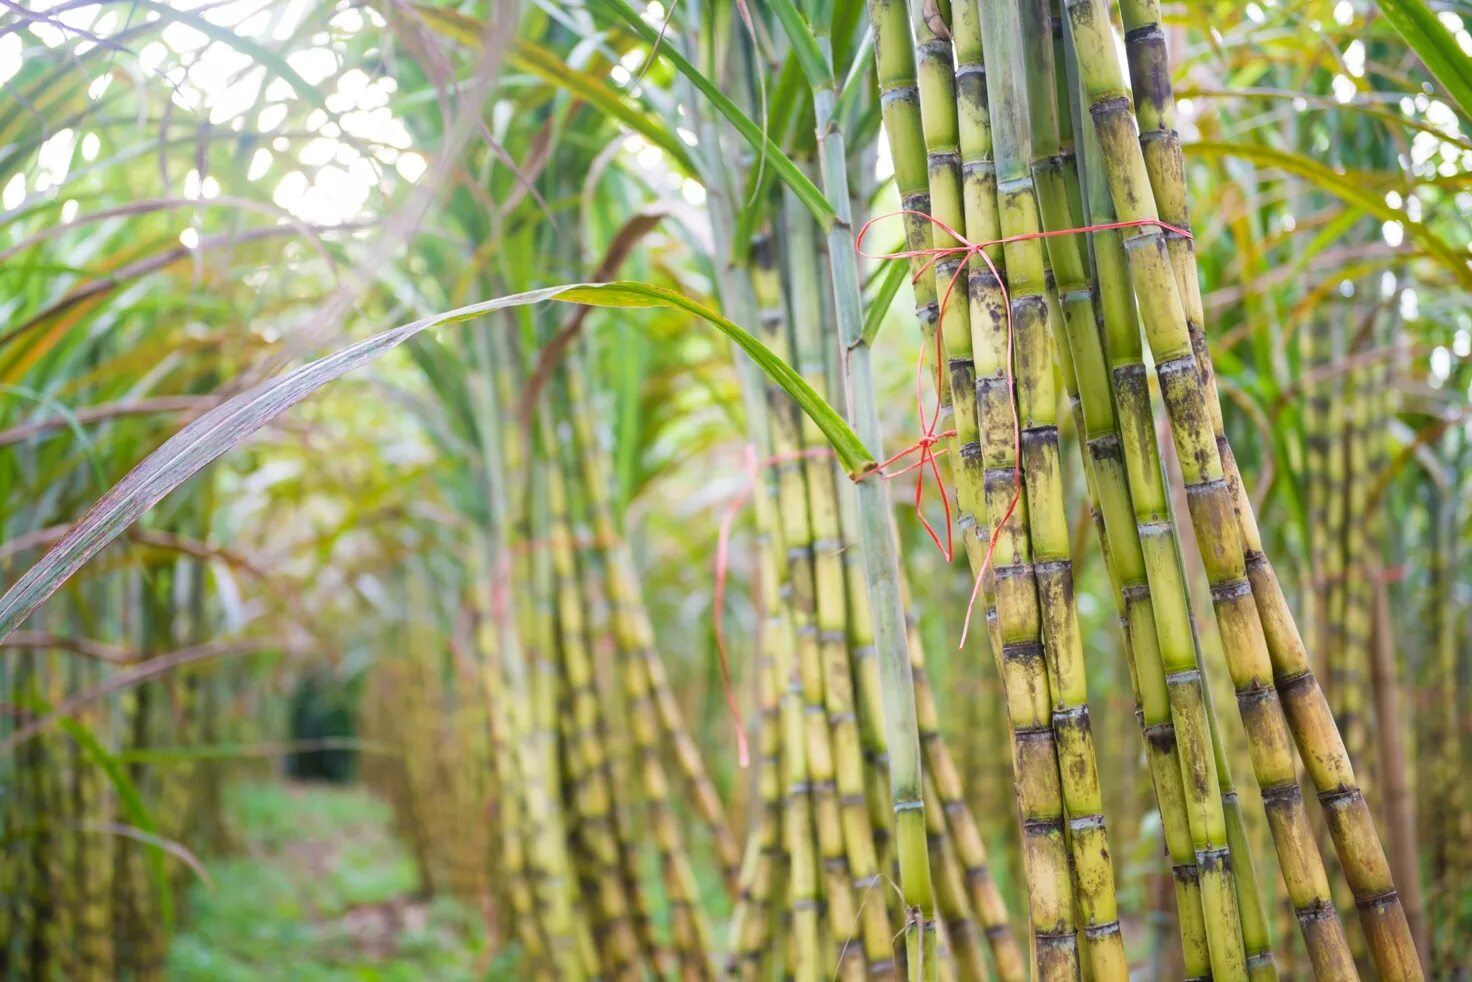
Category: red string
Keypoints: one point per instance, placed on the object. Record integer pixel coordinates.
(501, 588)
(723, 556)
(965, 247)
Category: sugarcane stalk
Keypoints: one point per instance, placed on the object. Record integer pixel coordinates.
(1037, 434)
(93, 857)
(802, 590)
(986, 484)
(650, 703)
(635, 635)
(751, 921)
(986, 906)
(525, 642)
(780, 897)
(1156, 523)
(589, 774)
(787, 840)
(833, 585)
(1169, 679)
(1147, 173)
(876, 535)
(951, 903)
(1207, 492)
(804, 957)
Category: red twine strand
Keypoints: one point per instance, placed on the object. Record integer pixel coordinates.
(928, 437)
(723, 559)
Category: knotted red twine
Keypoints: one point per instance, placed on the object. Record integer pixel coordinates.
(929, 422)
(964, 247)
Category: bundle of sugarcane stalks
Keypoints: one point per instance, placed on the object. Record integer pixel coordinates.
(528, 725)
(1012, 124)
(560, 735)
(818, 891)
(98, 805)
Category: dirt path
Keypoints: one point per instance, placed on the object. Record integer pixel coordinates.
(320, 890)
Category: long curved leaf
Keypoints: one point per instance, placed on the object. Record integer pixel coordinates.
(230, 423)
(807, 192)
(1430, 39)
(536, 60)
(1348, 190)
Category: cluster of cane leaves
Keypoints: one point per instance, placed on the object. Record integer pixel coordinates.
(158, 231)
(228, 424)
(1263, 114)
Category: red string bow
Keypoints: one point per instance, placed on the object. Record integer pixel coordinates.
(932, 256)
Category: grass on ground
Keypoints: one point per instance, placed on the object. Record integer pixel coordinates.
(320, 891)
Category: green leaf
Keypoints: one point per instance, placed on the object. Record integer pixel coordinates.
(230, 423)
(804, 45)
(550, 68)
(1430, 39)
(792, 175)
(536, 60)
(785, 101)
(1358, 193)
(889, 285)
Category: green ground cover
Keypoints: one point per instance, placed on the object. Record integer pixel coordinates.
(321, 891)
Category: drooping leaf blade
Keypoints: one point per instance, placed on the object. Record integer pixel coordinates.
(1349, 190)
(229, 424)
(536, 60)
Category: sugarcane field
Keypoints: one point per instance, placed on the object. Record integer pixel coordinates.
(750, 490)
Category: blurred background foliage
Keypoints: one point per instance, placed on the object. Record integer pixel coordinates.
(197, 195)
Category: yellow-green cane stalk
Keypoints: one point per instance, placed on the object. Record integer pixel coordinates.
(1320, 744)
(589, 773)
(1208, 493)
(823, 504)
(616, 734)
(525, 644)
(785, 859)
(987, 907)
(803, 590)
(832, 586)
(876, 533)
(509, 868)
(1152, 707)
(757, 902)
(642, 675)
(940, 126)
(1035, 408)
(1154, 598)
(804, 956)
(789, 840)
(1010, 581)
(94, 859)
(951, 903)
(1153, 518)
(635, 634)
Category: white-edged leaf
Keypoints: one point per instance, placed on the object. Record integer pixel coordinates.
(229, 424)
